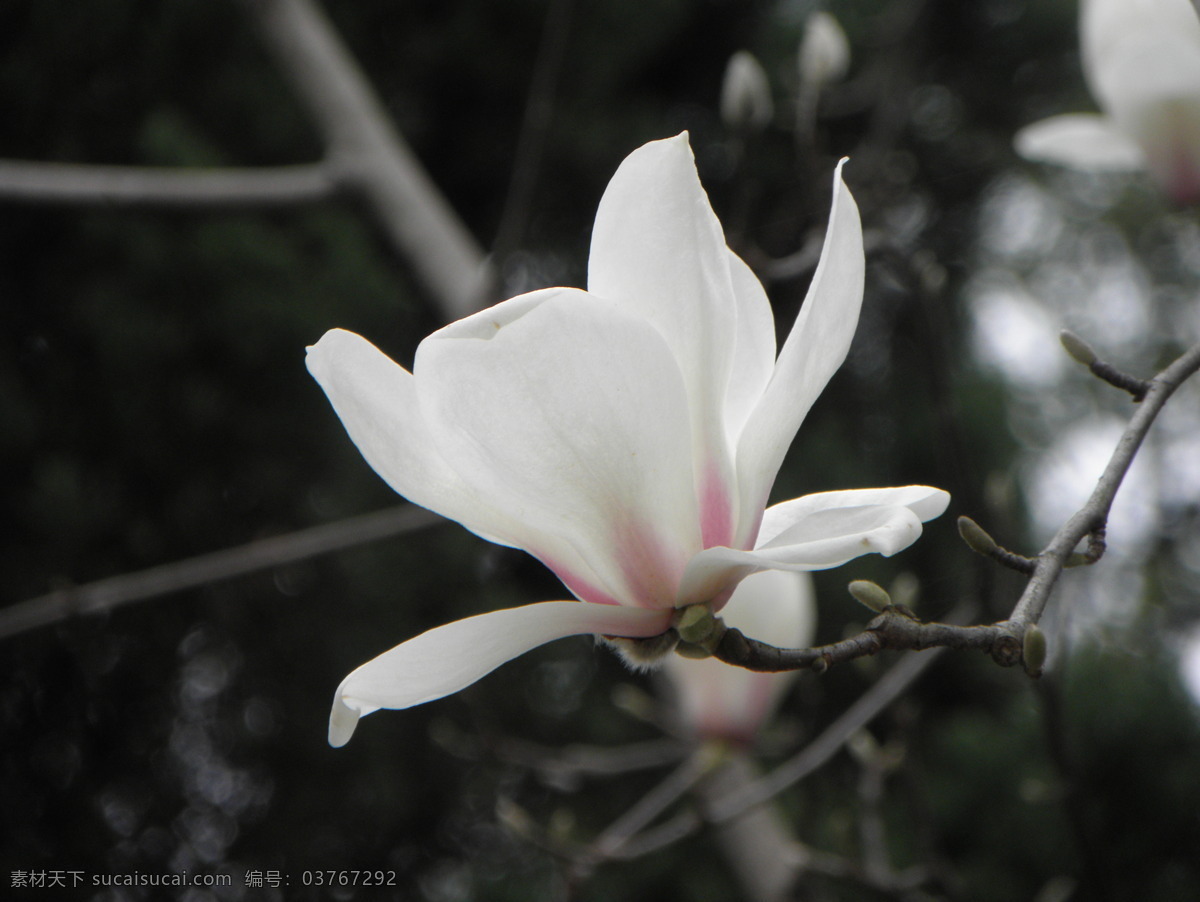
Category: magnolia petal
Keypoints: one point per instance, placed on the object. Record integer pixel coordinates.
(924, 501)
(754, 348)
(816, 347)
(571, 415)
(823, 539)
(375, 398)
(451, 657)
(719, 700)
(1085, 141)
(658, 251)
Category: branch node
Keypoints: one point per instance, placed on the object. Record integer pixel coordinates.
(1007, 650)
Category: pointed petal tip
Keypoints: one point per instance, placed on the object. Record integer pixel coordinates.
(342, 721)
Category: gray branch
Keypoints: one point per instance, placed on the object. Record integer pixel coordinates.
(135, 186)
(370, 156)
(366, 158)
(1091, 519)
(115, 591)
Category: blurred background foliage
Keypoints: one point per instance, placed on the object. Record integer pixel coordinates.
(155, 406)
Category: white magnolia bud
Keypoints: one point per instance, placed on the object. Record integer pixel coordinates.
(745, 94)
(824, 51)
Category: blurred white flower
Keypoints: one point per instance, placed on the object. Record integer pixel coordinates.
(627, 436)
(745, 94)
(1141, 59)
(719, 701)
(824, 55)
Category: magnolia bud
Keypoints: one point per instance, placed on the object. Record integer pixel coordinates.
(745, 95)
(1033, 652)
(1077, 347)
(824, 51)
(869, 594)
(976, 536)
(695, 623)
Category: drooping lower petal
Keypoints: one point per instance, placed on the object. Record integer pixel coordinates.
(451, 657)
(571, 415)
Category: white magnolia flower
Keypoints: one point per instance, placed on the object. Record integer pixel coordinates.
(719, 701)
(627, 436)
(1141, 59)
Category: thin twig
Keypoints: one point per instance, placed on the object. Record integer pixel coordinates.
(1102, 369)
(371, 157)
(535, 124)
(894, 629)
(886, 690)
(610, 842)
(115, 591)
(1090, 519)
(136, 186)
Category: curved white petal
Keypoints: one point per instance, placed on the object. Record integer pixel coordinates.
(719, 700)
(452, 657)
(825, 538)
(659, 252)
(753, 348)
(570, 415)
(815, 348)
(375, 398)
(1085, 141)
(924, 501)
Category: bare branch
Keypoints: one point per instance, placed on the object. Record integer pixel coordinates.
(886, 690)
(609, 844)
(1082, 352)
(894, 629)
(1091, 519)
(134, 186)
(371, 157)
(106, 594)
(978, 539)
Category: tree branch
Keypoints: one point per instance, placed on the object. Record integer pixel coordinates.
(886, 690)
(370, 156)
(115, 591)
(895, 629)
(1092, 518)
(134, 186)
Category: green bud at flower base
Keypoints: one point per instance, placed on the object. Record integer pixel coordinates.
(1034, 651)
(869, 594)
(695, 652)
(976, 536)
(696, 623)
